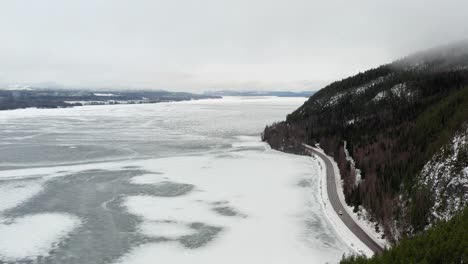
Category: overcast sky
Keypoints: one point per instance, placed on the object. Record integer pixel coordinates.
(215, 44)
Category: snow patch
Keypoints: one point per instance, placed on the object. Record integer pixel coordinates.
(334, 99)
(13, 193)
(381, 95)
(32, 236)
(355, 91)
(19, 87)
(150, 178)
(175, 209)
(361, 89)
(104, 94)
(399, 90)
(353, 164)
(248, 141)
(350, 122)
(447, 177)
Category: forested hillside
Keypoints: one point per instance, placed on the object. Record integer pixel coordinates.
(394, 121)
(58, 98)
(446, 243)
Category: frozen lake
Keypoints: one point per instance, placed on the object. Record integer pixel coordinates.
(186, 182)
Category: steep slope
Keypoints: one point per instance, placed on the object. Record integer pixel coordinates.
(446, 174)
(383, 127)
(446, 243)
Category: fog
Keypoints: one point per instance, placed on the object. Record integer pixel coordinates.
(213, 45)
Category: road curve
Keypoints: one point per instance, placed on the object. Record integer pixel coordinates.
(338, 206)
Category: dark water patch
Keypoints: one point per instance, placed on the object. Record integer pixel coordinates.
(248, 148)
(226, 211)
(97, 171)
(316, 228)
(305, 183)
(170, 189)
(38, 152)
(10, 167)
(20, 180)
(204, 234)
(95, 196)
(313, 224)
(220, 202)
(228, 156)
(165, 221)
(131, 167)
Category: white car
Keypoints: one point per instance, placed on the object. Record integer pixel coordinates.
(340, 212)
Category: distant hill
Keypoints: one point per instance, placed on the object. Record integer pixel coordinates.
(399, 134)
(24, 97)
(261, 93)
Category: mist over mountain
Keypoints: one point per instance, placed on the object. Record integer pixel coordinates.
(260, 93)
(398, 133)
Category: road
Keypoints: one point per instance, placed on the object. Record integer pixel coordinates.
(338, 206)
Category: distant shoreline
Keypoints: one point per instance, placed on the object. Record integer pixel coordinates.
(55, 98)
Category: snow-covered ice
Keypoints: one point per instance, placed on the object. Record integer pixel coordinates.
(32, 236)
(166, 229)
(169, 182)
(268, 211)
(16, 192)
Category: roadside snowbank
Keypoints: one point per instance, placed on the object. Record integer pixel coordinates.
(351, 240)
(365, 224)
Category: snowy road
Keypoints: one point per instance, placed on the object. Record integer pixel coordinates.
(339, 207)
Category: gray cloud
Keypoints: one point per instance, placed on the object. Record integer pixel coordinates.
(211, 44)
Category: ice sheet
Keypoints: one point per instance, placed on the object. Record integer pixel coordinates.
(169, 183)
(275, 218)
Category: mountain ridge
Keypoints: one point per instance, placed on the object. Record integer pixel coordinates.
(394, 119)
